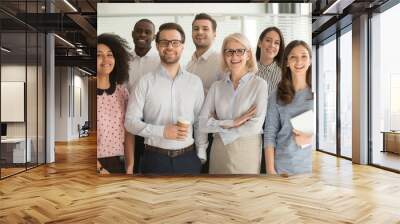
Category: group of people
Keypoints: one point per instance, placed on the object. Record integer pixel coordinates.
(156, 116)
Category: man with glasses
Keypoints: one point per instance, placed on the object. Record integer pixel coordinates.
(205, 61)
(164, 108)
(144, 60)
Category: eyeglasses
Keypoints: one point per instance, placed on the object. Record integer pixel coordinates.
(165, 43)
(238, 52)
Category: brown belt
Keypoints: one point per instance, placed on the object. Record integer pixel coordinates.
(171, 153)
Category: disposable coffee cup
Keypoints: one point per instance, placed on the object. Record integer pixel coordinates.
(182, 122)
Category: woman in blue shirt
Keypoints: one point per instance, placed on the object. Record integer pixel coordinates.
(289, 151)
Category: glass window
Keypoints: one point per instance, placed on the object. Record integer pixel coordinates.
(41, 150)
(327, 96)
(22, 93)
(15, 151)
(385, 84)
(346, 94)
(293, 25)
(31, 96)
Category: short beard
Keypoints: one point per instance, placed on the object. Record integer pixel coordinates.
(169, 62)
(201, 46)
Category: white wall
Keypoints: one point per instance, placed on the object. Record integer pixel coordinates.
(250, 19)
(14, 73)
(79, 117)
(69, 83)
(61, 103)
(34, 124)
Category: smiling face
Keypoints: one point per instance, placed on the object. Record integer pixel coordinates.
(143, 34)
(105, 60)
(299, 60)
(202, 33)
(170, 54)
(236, 61)
(269, 45)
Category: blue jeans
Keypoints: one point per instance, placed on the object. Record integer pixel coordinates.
(158, 163)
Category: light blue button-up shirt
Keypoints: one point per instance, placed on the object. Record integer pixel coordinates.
(227, 104)
(158, 100)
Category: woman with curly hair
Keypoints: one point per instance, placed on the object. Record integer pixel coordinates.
(114, 143)
(287, 150)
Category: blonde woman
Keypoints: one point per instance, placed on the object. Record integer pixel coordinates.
(234, 110)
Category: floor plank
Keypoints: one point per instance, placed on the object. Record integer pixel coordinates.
(69, 191)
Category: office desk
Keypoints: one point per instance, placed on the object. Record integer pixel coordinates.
(13, 150)
(391, 141)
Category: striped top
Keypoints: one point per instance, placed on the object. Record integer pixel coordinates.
(271, 73)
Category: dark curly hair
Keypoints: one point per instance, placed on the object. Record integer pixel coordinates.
(286, 91)
(120, 50)
(279, 56)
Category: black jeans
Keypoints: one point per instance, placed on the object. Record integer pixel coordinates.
(114, 164)
(158, 163)
(206, 165)
(139, 148)
(262, 168)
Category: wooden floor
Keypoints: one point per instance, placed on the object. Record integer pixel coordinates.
(10, 171)
(69, 191)
(386, 159)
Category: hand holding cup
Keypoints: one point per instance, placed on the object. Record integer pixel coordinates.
(183, 127)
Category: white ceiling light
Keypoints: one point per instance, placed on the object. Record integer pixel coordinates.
(5, 50)
(337, 7)
(86, 72)
(65, 41)
(70, 5)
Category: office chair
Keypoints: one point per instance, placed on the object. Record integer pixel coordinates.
(84, 130)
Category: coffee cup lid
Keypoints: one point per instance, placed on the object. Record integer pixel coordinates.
(183, 120)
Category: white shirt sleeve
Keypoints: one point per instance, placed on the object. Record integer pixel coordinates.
(208, 121)
(134, 114)
(210, 124)
(258, 120)
(201, 138)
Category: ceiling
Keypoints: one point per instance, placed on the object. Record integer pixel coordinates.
(333, 15)
(73, 21)
(76, 21)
